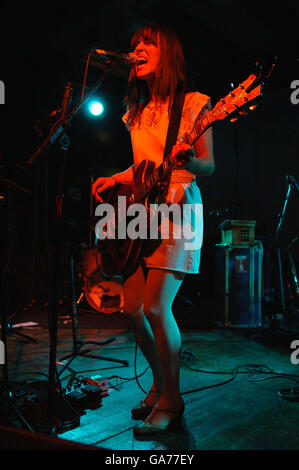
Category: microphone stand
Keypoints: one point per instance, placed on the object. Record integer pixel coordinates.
(65, 119)
(60, 131)
(291, 184)
(7, 396)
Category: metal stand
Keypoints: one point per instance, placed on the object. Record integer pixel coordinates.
(7, 395)
(6, 276)
(291, 184)
(59, 132)
(279, 276)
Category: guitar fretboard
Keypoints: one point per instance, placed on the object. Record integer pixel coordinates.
(163, 170)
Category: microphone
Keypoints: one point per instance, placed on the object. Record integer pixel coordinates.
(129, 59)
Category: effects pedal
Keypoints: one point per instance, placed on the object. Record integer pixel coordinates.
(86, 393)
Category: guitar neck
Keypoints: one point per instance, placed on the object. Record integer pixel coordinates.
(162, 171)
(202, 123)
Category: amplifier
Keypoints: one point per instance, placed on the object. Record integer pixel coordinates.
(238, 285)
(238, 232)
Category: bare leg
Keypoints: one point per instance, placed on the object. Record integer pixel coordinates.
(134, 289)
(160, 291)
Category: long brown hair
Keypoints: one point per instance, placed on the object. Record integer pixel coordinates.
(171, 74)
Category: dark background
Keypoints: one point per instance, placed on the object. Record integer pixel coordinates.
(45, 45)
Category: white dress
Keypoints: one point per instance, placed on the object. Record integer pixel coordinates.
(180, 250)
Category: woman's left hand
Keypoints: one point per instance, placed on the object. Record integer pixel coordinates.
(182, 154)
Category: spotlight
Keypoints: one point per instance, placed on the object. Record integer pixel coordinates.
(96, 108)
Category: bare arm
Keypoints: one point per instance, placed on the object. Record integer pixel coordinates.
(104, 183)
(202, 163)
(125, 177)
(198, 159)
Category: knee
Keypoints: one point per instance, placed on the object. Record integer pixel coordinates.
(154, 314)
(133, 314)
(133, 303)
(132, 306)
(135, 322)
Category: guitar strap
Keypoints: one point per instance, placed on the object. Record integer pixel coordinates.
(173, 129)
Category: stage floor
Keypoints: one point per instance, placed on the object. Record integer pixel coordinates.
(245, 413)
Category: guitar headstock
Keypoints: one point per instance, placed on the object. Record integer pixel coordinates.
(238, 101)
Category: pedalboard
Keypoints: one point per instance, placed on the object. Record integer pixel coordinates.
(87, 394)
(69, 404)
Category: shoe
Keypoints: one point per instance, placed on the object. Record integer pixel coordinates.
(147, 427)
(142, 410)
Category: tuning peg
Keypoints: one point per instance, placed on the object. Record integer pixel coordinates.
(232, 87)
(243, 113)
(234, 119)
(252, 107)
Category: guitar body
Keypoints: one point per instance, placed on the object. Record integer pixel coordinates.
(119, 255)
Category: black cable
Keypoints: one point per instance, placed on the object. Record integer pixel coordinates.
(234, 373)
(85, 73)
(291, 394)
(257, 368)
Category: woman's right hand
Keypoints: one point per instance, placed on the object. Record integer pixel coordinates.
(102, 184)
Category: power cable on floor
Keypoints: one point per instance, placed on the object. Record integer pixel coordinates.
(291, 394)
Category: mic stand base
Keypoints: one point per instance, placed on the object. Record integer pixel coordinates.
(85, 353)
(14, 331)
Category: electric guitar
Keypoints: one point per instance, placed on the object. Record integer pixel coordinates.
(119, 256)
